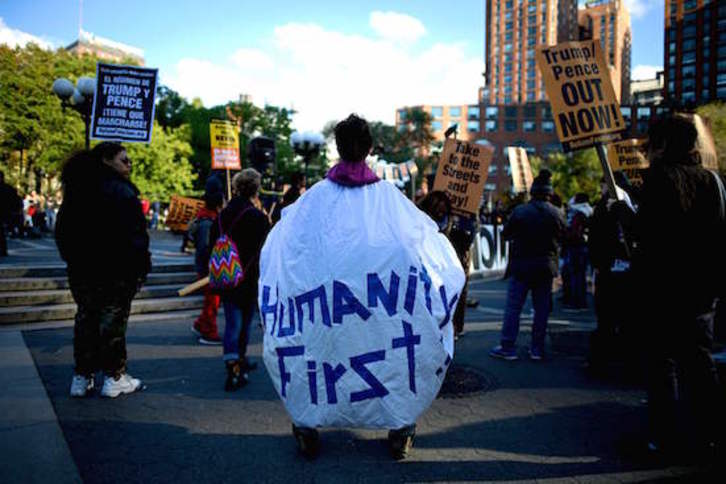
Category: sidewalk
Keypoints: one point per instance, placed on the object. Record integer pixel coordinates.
(532, 421)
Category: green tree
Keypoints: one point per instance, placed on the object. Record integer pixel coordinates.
(162, 168)
(715, 114)
(171, 108)
(573, 173)
(36, 134)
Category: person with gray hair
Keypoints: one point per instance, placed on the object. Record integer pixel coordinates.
(247, 226)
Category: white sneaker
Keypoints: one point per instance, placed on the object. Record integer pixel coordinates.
(81, 385)
(112, 388)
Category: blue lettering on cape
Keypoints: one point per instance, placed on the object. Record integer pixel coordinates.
(309, 298)
(376, 292)
(376, 388)
(282, 353)
(448, 305)
(345, 302)
(408, 341)
(332, 375)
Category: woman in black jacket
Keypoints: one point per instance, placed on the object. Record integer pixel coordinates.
(101, 234)
(248, 227)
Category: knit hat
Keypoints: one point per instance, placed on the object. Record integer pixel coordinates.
(542, 183)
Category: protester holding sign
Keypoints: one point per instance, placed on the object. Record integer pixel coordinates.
(534, 231)
(105, 268)
(357, 291)
(247, 226)
(681, 211)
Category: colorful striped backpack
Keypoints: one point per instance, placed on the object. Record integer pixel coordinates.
(225, 268)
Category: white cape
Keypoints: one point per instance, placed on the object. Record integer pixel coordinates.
(357, 293)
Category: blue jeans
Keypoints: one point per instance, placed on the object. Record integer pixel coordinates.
(236, 329)
(542, 303)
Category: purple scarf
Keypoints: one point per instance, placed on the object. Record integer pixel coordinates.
(352, 174)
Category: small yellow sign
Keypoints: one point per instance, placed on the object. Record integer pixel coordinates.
(224, 141)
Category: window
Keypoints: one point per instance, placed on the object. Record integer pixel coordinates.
(510, 111)
(643, 113)
(530, 111)
(689, 71)
(436, 125)
(690, 4)
(507, 67)
(490, 126)
(455, 111)
(510, 125)
(472, 126)
(402, 114)
(688, 96)
(546, 112)
(492, 169)
(689, 44)
(689, 31)
(721, 79)
(626, 112)
(530, 84)
(672, 60)
(689, 57)
(548, 126)
(437, 111)
(529, 126)
(705, 94)
(491, 112)
(472, 112)
(671, 87)
(705, 81)
(721, 93)
(672, 48)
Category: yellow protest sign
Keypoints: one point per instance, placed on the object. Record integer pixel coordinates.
(578, 84)
(463, 169)
(224, 141)
(627, 156)
(522, 177)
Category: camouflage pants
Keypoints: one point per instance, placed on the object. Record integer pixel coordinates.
(99, 333)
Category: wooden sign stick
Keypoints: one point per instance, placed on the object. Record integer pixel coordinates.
(193, 286)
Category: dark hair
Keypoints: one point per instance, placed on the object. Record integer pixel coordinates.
(428, 202)
(106, 150)
(2, 176)
(676, 135)
(353, 138)
(213, 200)
(296, 178)
(582, 198)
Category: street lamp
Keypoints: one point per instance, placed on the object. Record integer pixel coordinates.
(306, 145)
(79, 98)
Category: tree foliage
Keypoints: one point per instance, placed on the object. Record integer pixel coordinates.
(573, 173)
(715, 115)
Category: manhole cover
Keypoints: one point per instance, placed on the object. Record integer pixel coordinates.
(463, 381)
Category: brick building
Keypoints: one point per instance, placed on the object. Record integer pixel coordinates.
(694, 52)
(105, 49)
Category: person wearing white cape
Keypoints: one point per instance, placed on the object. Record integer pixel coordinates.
(357, 291)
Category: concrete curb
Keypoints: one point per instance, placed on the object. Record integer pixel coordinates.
(32, 445)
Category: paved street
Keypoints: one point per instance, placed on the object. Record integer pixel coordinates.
(532, 421)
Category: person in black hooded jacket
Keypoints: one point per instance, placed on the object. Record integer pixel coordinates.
(101, 234)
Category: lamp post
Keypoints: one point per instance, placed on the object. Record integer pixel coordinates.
(79, 98)
(306, 145)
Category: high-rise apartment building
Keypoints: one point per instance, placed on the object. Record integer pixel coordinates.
(609, 21)
(695, 52)
(567, 24)
(514, 30)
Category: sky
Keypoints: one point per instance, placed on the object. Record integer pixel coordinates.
(324, 59)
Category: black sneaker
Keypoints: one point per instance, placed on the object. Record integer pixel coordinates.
(400, 441)
(308, 441)
(235, 378)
